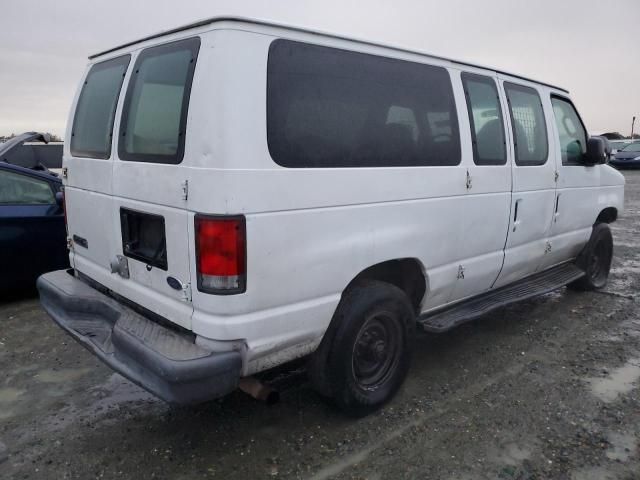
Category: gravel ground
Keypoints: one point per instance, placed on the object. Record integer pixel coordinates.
(546, 389)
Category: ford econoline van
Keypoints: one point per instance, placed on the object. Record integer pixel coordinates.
(240, 194)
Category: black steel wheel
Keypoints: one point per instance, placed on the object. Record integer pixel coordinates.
(595, 259)
(376, 350)
(370, 348)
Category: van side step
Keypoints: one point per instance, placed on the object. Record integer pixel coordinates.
(537, 284)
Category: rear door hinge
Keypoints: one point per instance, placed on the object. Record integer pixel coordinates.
(186, 292)
(556, 176)
(469, 181)
(460, 272)
(185, 189)
(547, 248)
(65, 172)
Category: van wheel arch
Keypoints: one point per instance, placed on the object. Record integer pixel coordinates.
(406, 273)
(608, 215)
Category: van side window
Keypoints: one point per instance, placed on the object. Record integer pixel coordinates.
(527, 122)
(93, 121)
(335, 108)
(573, 135)
(403, 116)
(154, 116)
(485, 116)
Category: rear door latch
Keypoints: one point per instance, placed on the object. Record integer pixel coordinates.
(185, 189)
(186, 292)
(120, 265)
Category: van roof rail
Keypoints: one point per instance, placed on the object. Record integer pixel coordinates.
(270, 23)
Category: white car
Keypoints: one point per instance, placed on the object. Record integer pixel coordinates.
(240, 194)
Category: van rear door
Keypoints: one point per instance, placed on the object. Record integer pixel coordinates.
(149, 181)
(126, 185)
(88, 164)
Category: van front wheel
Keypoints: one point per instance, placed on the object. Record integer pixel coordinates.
(595, 259)
(370, 353)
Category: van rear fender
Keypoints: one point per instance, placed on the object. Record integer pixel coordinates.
(408, 274)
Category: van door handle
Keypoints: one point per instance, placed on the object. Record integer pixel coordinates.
(557, 212)
(516, 220)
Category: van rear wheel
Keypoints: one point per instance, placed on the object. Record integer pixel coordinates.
(595, 259)
(370, 353)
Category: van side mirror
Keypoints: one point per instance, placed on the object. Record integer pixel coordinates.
(596, 152)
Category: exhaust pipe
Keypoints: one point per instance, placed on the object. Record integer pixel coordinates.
(258, 390)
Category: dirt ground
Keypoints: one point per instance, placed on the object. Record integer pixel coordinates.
(546, 389)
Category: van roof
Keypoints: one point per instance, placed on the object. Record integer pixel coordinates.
(269, 23)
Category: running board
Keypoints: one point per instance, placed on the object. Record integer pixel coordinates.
(537, 284)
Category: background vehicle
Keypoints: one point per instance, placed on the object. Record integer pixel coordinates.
(627, 157)
(617, 145)
(241, 194)
(32, 230)
(33, 150)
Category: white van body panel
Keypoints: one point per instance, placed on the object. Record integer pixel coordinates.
(534, 195)
(311, 231)
(486, 202)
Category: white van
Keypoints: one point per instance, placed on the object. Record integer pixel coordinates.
(240, 194)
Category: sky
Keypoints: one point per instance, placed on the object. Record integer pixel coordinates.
(589, 47)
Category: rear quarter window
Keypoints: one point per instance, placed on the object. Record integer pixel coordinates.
(328, 107)
(92, 130)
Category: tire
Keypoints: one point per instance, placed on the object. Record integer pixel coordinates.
(595, 260)
(370, 350)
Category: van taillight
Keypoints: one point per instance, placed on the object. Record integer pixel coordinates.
(221, 254)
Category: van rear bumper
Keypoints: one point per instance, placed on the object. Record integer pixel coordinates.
(163, 361)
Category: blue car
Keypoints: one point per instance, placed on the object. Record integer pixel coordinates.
(627, 157)
(32, 227)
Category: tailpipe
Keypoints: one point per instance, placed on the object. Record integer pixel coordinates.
(258, 390)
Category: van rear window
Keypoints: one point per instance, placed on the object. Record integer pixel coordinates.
(335, 108)
(154, 116)
(93, 121)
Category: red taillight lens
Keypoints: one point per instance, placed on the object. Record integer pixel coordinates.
(221, 254)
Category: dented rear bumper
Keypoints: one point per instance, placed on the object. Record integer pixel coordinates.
(165, 362)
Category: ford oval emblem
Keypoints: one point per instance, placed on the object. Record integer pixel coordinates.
(174, 283)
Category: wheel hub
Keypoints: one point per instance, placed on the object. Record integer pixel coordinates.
(375, 351)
